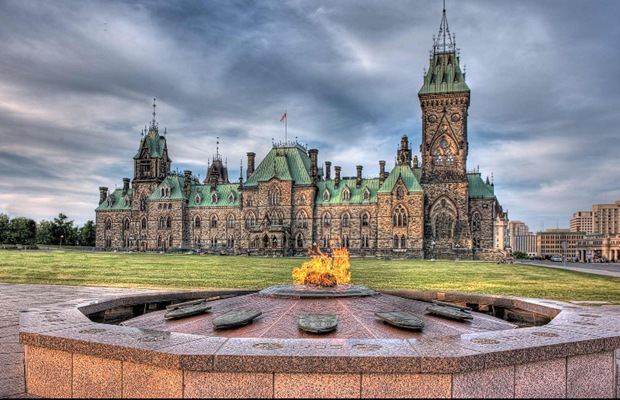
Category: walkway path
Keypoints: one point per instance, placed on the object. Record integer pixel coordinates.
(608, 269)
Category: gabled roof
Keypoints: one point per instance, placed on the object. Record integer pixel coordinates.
(357, 194)
(285, 163)
(478, 189)
(175, 183)
(223, 192)
(410, 178)
(118, 201)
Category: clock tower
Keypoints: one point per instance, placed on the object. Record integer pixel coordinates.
(444, 99)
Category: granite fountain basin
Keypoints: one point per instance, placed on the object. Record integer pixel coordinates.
(123, 347)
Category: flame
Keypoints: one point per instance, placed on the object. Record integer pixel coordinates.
(324, 270)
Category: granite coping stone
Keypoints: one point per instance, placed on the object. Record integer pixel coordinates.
(66, 328)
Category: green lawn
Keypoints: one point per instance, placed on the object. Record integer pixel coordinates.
(210, 272)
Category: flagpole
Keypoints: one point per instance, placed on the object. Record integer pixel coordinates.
(285, 126)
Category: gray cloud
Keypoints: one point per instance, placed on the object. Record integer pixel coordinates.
(77, 81)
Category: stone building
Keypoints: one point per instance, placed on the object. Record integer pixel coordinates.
(432, 208)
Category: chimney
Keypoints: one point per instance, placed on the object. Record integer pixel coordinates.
(187, 184)
(125, 185)
(358, 181)
(250, 169)
(337, 180)
(381, 172)
(313, 153)
(328, 172)
(103, 193)
(415, 162)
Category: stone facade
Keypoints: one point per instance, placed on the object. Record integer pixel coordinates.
(435, 208)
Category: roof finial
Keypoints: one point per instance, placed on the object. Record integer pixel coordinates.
(217, 148)
(444, 43)
(154, 106)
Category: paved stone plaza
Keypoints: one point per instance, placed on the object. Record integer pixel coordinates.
(13, 299)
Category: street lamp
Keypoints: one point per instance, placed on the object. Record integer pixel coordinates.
(61, 237)
(432, 250)
(564, 253)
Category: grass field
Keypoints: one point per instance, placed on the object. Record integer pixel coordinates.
(209, 272)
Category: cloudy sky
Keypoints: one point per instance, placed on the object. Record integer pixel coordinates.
(78, 78)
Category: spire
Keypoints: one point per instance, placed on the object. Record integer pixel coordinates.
(153, 127)
(444, 42)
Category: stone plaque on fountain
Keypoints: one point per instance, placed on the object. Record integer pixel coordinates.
(187, 311)
(449, 312)
(317, 323)
(401, 319)
(235, 318)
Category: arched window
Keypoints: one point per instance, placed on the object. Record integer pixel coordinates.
(170, 241)
(169, 222)
(344, 242)
(250, 201)
(231, 198)
(366, 194)
(214, 221)
(143, 202)
(403, 242)
(159, 242)
(326, 195)
(274, 196)
(108, 224)
(214, 198)
(346, 194)
(197, 199)
(299, 241)
(250, 220)
(396, 241)
(301, 220)
(109, 201)
(365, 219)
(161, 222)
(230, 221)
(399, 217)
(230, 242)
(475, 222)
(449, 157)
(143, 223)
(126, 224)
(345, 219)
(197, 221)
(127, 201)
(364, 243)
(438, 157)
(326, 219)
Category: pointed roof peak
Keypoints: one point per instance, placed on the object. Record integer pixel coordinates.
(444, 42)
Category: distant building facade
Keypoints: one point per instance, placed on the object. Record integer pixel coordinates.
(521, 239)
(606, 218)
(558, 242)
(581, 221)
(432, 208)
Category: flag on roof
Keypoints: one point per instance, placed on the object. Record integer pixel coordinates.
(283, 117)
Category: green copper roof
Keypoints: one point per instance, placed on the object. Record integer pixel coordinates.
(478, 189)
(356, 194)
(155, 145)
(116, 201)
(285, 163)
(444, 75)
(175, 183)
(407, 174)
(202, 196)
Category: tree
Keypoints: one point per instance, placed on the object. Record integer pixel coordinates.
(5, 229)
(44, 232)
(520, 255)
(88, 234)
(23, 231)
(63, 231)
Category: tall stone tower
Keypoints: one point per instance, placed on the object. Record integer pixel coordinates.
(444, 99)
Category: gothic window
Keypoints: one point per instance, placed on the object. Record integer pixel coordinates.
(159, 242)
(274, 242)
(143, 223)
(108, 224)
(230, 222)
(109, 201)
(126, 201)
(143, 201)
(161, 222)
(197, 199)
(169, 222)
(346, 194)
(345, 241)
(159, 206)
(365, 219)
(169, 206)
(230, 242)
(400, 193)
(345, 219)
(326, 195)
(170, 241)
(326, 219)
(250, 220)
(126, 225)
(301, 200)
(403, 242)
(476, 243)
(444, 225)
(399, 217)
(300, 240)
(214, 198)
(302, 221)
(396, 241)
(449, 157)
(274, 196)
(438, 157)
(475, 222)
(364, 242)
(231, 198)
(162, 192)
(366, 195)
(326, 241)
(250, 201)
(214, 221)
(197, 222)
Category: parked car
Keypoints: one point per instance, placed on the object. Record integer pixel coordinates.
(557, 259)
(536, 258)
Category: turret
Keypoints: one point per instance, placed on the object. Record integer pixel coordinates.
(103, 193)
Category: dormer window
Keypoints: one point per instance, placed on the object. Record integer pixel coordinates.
(346, 194)
(231, 198)
(326, 195)
(197, 199)
(214, 198)
(366, 195)
(127, 202)
(165, 191)
(109, 201)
